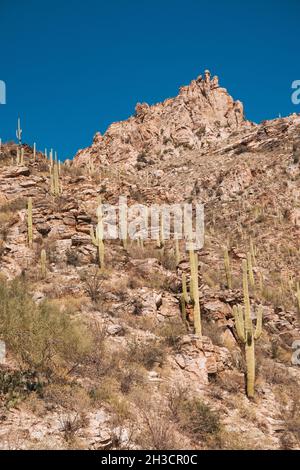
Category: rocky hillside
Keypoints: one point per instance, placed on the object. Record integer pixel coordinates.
(102, 359)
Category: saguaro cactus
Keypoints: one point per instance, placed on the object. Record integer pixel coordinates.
(227, 269)
(184, 300)
(250, 270)
(55, 186)
(18, 160)
(161, 233)
(246, 332)
(97, 237)
(34, 151)
(43, 263)
(29, 221)
(19, 132)
(22, 156)
(194, 291)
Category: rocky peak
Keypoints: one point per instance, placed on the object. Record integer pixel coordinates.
(202, 113)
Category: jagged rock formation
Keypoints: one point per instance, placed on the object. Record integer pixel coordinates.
(202, 113)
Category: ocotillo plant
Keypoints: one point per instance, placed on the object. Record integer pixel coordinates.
(227, 269)
(194, 291)
(19, 132)
(246, 332)
(29, 221)
(97, 237)
(43, 263)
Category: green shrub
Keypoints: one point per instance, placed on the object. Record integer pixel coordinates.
(146, 353)
(40, 337)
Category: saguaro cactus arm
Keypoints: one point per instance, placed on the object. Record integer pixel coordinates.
(19, 132)
(239, 323)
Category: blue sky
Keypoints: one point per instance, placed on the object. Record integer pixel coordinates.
(73, 67)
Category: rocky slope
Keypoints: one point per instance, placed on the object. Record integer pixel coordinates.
(150, 382)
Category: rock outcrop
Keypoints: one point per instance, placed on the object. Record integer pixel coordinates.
(203, 112)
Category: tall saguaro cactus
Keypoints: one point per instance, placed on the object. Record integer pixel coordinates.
(29, 221)
(97, 237)
(55, 187)
(19, 132)
(184, 300)
(194, 291)
(246, 332)
(250, 270)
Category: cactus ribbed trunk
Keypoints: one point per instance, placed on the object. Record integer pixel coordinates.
(250, 361)
(184, 297)
(194, 291)
(244, 328)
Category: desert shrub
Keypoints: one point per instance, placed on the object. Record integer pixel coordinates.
(15, 386)
(14, 205)
(146, 353)
(158, 433)
(72, 257)
(273, 373)
(171, 331)
(213, 331)
(39, 336)
(71, 424)
(231, 381)
(290, 415)
(168, 260)
(72, 171)
(198, 419)
(93, 284)
(130, 377)
(68, 396)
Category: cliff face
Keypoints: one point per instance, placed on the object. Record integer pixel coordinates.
(202, 113)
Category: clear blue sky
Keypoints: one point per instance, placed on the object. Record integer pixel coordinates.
(73, 67)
